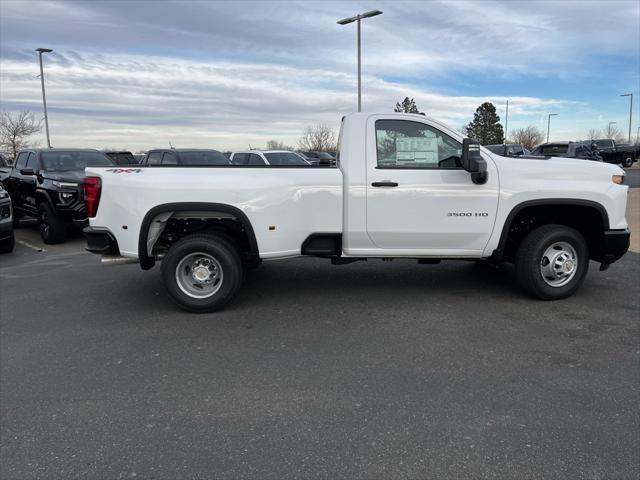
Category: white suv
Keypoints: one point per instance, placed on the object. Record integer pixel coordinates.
(268, 157)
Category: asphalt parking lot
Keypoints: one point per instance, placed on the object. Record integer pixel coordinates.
(369, 370)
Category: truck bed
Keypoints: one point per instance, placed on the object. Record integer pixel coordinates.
(284, 205)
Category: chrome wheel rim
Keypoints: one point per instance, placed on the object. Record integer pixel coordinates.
(199, 275)
(559, 264)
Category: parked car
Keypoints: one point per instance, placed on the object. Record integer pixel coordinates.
(121, 157)
(613, 152)
(407, 187)
(268, 157)
(319, 158)
(7, 240)
(566, 150)
(508, 149)
(48, 184)
(191, 157)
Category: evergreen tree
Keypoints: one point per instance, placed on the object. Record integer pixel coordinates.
(407, 106)
(485, 126)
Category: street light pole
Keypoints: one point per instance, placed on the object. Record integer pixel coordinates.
(549, 123)
(44, 97)
(357, 18)
(506, 123)
(630, 95)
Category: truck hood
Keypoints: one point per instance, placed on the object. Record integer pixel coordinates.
(570, 173)
(71, 176)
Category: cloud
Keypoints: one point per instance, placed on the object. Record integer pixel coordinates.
(142, 101)
(225, 74)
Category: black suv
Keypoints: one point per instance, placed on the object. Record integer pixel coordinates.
(186, 157)
(49, 184)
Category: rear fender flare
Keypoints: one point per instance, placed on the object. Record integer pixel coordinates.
(147, 261)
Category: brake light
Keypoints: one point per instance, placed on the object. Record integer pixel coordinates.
(92, 190)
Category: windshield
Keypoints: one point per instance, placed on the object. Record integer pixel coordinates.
(203, 157)
(551, 149)
(66, 161)
(285, 158)
(325, 156)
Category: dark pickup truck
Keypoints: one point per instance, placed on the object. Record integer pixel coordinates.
(566, 150)
(48, 184)
(612, 152)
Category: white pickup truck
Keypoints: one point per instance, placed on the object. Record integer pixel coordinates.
(405, 186)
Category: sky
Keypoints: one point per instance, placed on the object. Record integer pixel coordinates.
(229, 74)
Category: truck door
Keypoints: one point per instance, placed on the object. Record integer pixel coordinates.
(419, 199)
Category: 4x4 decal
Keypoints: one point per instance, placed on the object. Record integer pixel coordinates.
(124, 170)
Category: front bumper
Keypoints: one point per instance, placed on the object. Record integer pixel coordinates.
(616, 244)
(101, 241)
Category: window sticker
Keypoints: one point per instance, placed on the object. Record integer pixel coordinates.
(417, 150)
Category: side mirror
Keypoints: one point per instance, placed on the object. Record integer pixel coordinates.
(27, 171)
(473, 162)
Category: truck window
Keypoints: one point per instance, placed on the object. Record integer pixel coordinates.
(169, 159)
(21, 161)
(32, 161)
(406, 144)
(255, 159)
(155, 158)
(240, 158)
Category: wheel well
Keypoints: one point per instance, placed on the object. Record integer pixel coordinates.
(589, 220)
(166, 224)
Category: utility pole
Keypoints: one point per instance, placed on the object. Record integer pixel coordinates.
(506, 123)
(549, 123)
(44, 97)
(630, 95)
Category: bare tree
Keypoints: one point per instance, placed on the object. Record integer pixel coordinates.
(594, 134)
(318, 138)
(277, 145)
(529, 137)
(611, 131)
(15, 130)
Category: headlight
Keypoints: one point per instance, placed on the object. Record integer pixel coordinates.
(3, 194)
(617, 179)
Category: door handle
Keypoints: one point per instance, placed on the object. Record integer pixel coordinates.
(385, 183)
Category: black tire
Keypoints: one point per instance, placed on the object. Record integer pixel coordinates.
(218, 248)
(6, 246)
(627, 161)
(52, 229)
(530, 261)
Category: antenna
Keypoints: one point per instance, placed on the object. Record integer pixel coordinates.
(170, 146)
(250, 147)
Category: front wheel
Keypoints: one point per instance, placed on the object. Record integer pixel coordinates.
(52, 229)
(6, 245)
(627, 161)
(552, 262)
(202, 273)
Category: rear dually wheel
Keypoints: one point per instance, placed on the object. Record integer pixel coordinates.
(202, 273)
